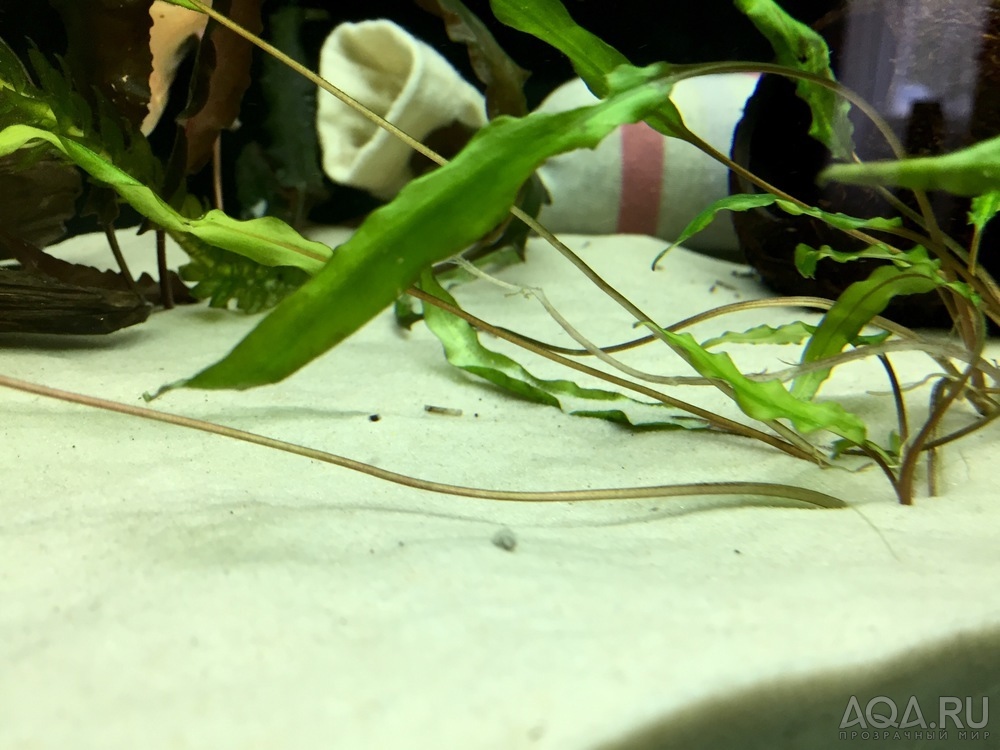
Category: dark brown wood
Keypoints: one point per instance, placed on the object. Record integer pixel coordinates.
(36, 304)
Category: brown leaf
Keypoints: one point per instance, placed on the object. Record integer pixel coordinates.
(222, 76)
(108, 49)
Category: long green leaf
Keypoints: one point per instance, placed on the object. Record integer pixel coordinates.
(267, 240)
(855, 308)
(970, 171)
(593, 59)
(808, 258)
(798, 46)
(431, 219)
(185, 4)
(464, 350)
(768, 400)
(749, 201)
(790, 333)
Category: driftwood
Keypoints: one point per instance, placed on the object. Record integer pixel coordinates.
(30, 303)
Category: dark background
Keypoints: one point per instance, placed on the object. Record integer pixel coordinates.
(645, 31)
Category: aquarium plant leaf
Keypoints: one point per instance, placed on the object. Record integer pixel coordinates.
(463, 349)
(738, 202)
(970, 171)
(13, 73)
(593, 59)
(768, 400)
(807, 258)
(432, 218)
(855, 308)
(984, 208)
(790, 333)
(749, 201)
(266, 240)
(504, 79)
(186, 4)
(797, 46)
(225, 278)
(221, 77)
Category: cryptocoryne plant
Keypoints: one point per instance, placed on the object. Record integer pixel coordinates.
(400, 251)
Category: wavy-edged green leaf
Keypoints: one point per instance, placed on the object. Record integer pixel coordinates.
(983, 209)
(970, 171)
(768, 400)
(593, 59)
(432, 218)
(807, 258)
(855, 308)
(839, 220)
(266, 240)
(784, 335)
(225, 278)
(798, 46)
(750, 201)
(737, 202)
(463, 349)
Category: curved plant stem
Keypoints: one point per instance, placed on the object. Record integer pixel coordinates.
(764, 489)
(908, 466)
(716, 312)
(897, 397)
(962, 432)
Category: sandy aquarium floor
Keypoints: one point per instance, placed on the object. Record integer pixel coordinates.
(162, 588)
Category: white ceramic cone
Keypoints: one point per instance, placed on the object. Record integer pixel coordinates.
(401, 79)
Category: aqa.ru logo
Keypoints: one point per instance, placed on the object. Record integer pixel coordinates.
(881, 712)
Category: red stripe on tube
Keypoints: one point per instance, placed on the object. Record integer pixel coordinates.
(642, 179)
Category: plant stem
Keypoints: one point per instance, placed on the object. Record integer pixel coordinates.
(764, 489)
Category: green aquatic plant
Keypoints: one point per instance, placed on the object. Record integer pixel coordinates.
(395, 250)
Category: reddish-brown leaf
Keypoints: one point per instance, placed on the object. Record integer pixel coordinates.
(221, 77)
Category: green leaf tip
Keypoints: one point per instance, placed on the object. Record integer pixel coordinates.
(798, 46)
(593, 59)
(186, 4)
(971, 171)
